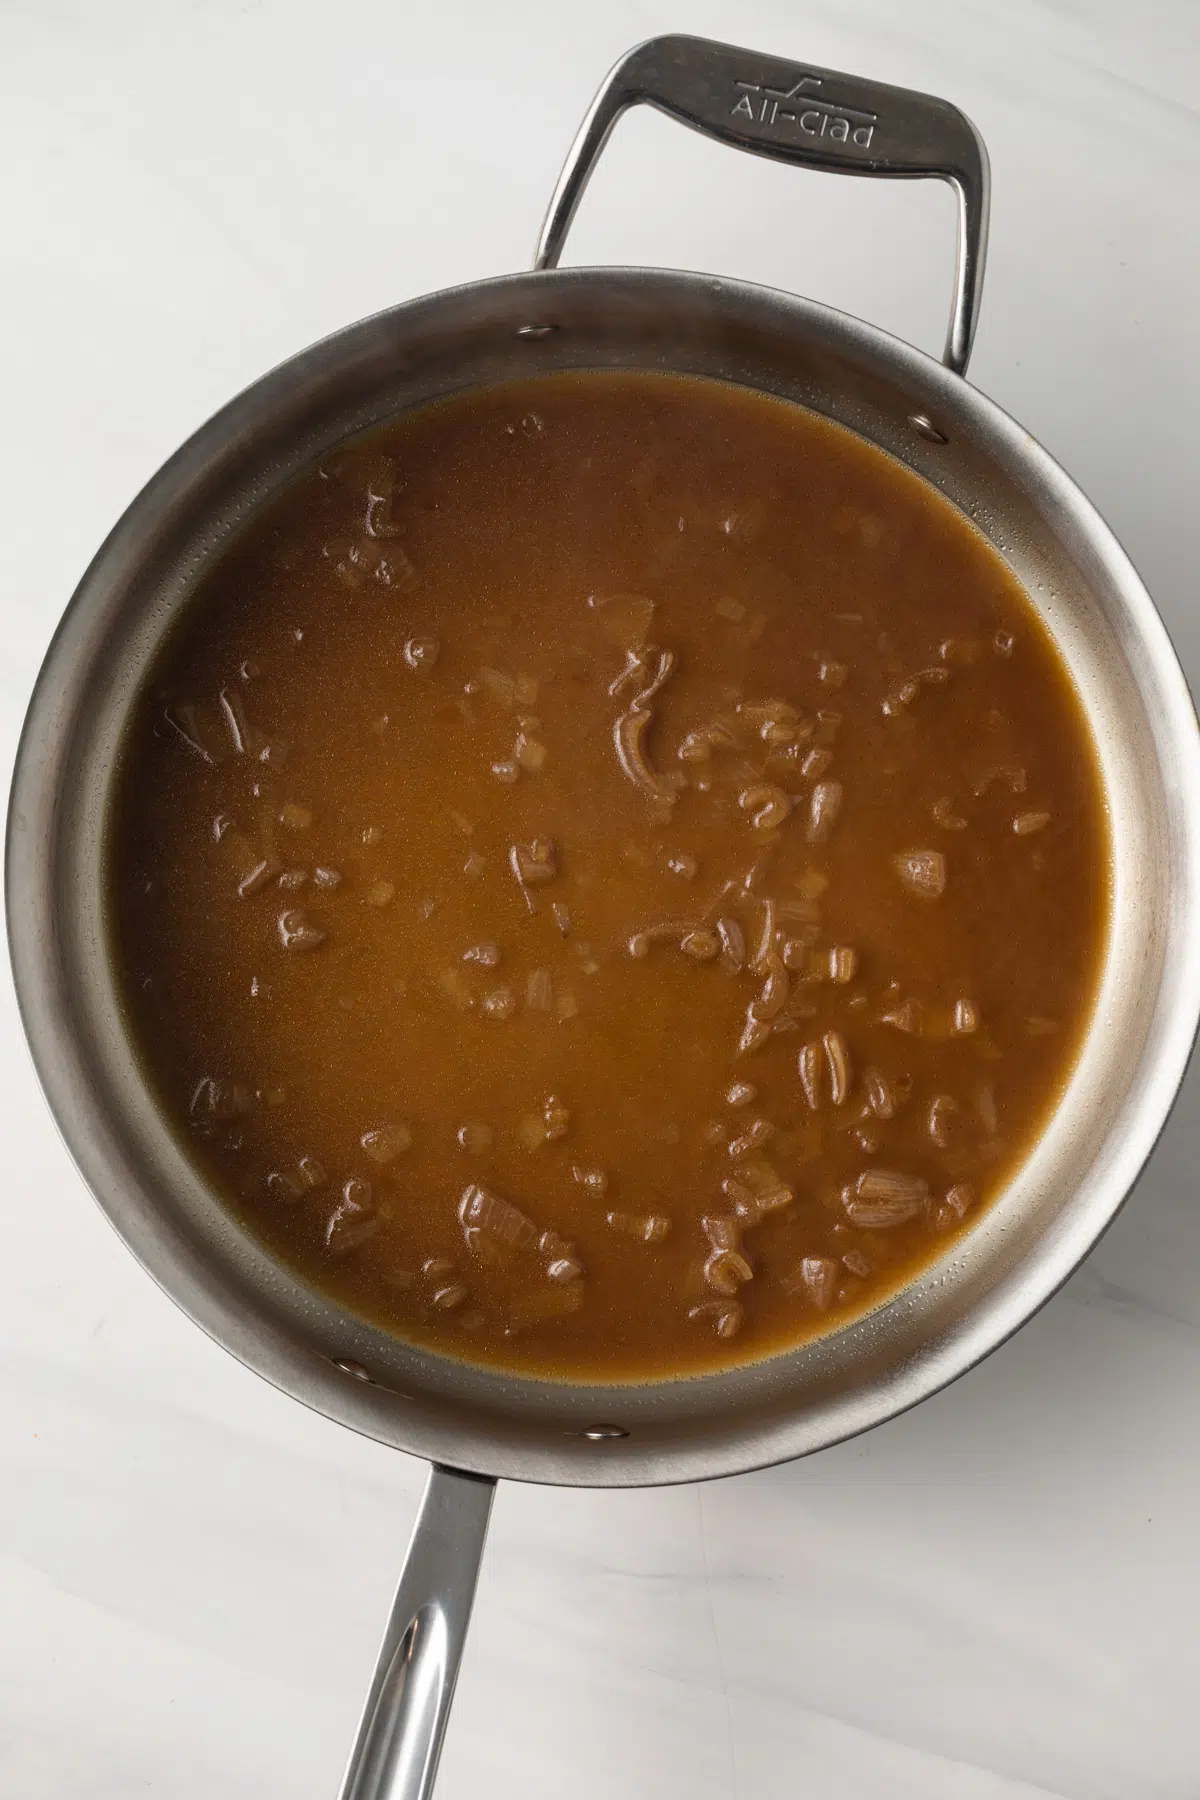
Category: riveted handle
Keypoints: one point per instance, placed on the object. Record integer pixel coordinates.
(799, 114)
(395, 1755)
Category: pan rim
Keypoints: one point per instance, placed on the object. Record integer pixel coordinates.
(34, 811)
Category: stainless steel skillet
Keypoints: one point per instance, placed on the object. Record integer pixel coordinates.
(476, 1425)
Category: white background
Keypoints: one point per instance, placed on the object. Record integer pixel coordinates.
(990, 1599)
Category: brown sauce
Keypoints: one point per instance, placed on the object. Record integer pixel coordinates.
(609, 876)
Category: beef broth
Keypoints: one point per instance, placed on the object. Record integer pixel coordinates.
(609, 875)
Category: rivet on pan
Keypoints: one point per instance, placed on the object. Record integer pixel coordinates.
(348, 1366)
(596, 1434)
(536, 331)
(925, 425)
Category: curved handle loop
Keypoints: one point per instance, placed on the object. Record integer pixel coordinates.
(395, 1755)
(799, 114)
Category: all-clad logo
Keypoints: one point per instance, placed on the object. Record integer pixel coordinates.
(803, 108)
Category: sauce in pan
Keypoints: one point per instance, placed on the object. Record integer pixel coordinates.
(609, 875)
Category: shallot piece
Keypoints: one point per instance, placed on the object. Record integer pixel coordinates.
(630, 729)
(809, 1063)
(295, 932)
(727, 1319)
(942, 1109)
(593, 1181)
(539, 991)
(733, 944)
(216, 1102)
(671, 931)
(923, 873)
(756, 1134)
(765, 956)
(649, 1228)
(838, 1058)
(824, 805)
(556, 1119)
(843, 963)
(884, 1197)
(624, 619)
(282, 1186)
(385, 1143)
(481, 1212)
(499, 1003)
(701, 944)
(815, 1277)
(902, 697)
(959, 1199)
(726, 1270)
(880, 1097)
(904, 1015)
(259, 877)
(723, 1231)
(533, 864)
(945, 816)
(767, 806)
(773, 996)
(421, 652)
(754, 1191)
(755, 1033)
(353, 1220)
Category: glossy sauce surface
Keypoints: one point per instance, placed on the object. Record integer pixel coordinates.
(609, 875)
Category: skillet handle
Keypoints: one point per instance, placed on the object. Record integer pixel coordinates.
(800, 114)
(395, 1755)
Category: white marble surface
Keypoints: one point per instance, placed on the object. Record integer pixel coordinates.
(993, 1598)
